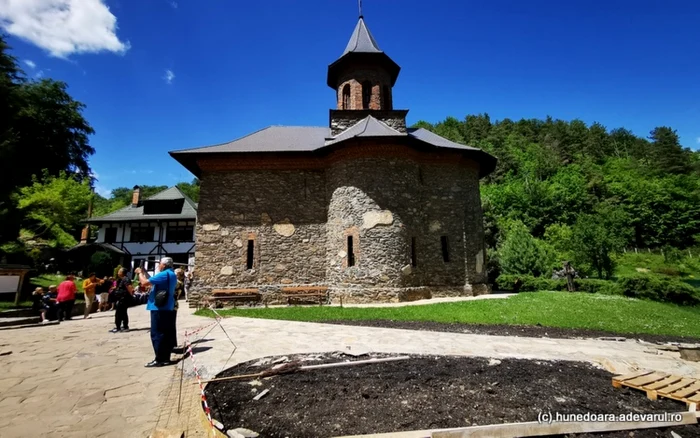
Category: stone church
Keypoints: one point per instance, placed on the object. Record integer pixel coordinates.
(366, 209)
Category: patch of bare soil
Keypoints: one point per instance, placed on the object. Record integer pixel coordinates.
(423, 392)
(530, 331)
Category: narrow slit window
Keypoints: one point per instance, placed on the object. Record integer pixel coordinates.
(251, 254)
(414, 261)
(366, 94)
(351, 252)
(346, 96)
(445, 249)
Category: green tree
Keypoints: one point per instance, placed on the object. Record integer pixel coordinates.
(597, 238)
(667, 151)
(190, 189)
(520, 253)
(54, 207)
(42, 133)
(124, 194)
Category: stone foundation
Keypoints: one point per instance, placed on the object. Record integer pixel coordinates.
(273, 295)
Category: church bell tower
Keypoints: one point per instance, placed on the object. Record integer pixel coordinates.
(363, 79)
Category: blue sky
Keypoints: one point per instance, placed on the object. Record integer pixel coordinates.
(159, 75)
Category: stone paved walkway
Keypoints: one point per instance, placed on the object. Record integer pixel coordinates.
(76, 379)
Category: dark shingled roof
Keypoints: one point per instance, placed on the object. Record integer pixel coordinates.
(131, 213)
(276, 139)
(103, 245)
(270, 139)
(361, 40)
(363, 48)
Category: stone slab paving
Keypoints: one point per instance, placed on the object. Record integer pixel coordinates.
(75, 379)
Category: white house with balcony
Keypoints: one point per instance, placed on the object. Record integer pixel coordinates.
(146, 230)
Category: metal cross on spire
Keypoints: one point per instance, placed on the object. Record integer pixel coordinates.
(359, 5)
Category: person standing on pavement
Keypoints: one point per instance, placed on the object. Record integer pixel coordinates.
(102, 292)
(89, 286)
(122, 296)
(189, 278)
(162, 310)
(66, 298)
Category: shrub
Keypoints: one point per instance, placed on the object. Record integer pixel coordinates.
(520, 253)
(667, 270)
(528, 283)
(593, 285)
(671, 254)
(659, 289)
(100, 264)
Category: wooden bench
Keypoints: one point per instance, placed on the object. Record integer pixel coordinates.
(305, 293)
(235, 295)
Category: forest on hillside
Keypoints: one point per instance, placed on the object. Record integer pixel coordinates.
(565, 190)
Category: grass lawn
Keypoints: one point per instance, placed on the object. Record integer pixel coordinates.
(687, 269)
(47, 280)
(552, 309)
(7, 305)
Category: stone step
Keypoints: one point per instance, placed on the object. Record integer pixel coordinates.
(11, 322)
(18, 313)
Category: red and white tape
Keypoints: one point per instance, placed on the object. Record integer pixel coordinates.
(199, 379)
(202, 328)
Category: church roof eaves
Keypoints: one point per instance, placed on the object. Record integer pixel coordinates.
(306, 139)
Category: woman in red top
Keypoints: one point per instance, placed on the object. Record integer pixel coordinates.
(66, 298)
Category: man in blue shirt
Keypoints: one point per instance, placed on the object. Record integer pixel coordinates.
(162, 314)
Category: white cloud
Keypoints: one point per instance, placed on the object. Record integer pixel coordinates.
(103, 191)
(63, 27)
(173, 5)
(39, 74)
(698, 140)
(30, 63)
(169, 76)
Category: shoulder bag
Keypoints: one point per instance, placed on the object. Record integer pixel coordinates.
(161, 298)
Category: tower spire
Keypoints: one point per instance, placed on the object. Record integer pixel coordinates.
(359, 5)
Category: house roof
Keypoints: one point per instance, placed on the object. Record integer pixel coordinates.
(276, 139)
(134, 214)
(103, 245)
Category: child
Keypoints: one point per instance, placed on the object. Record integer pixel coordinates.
(42, 303)
(103, 288)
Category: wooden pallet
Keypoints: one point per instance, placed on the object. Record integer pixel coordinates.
(658, 384)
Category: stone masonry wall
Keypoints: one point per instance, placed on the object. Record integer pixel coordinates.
(284, 212)
(342, 120)
(300, 222)
(366, 196)
(388, 203)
